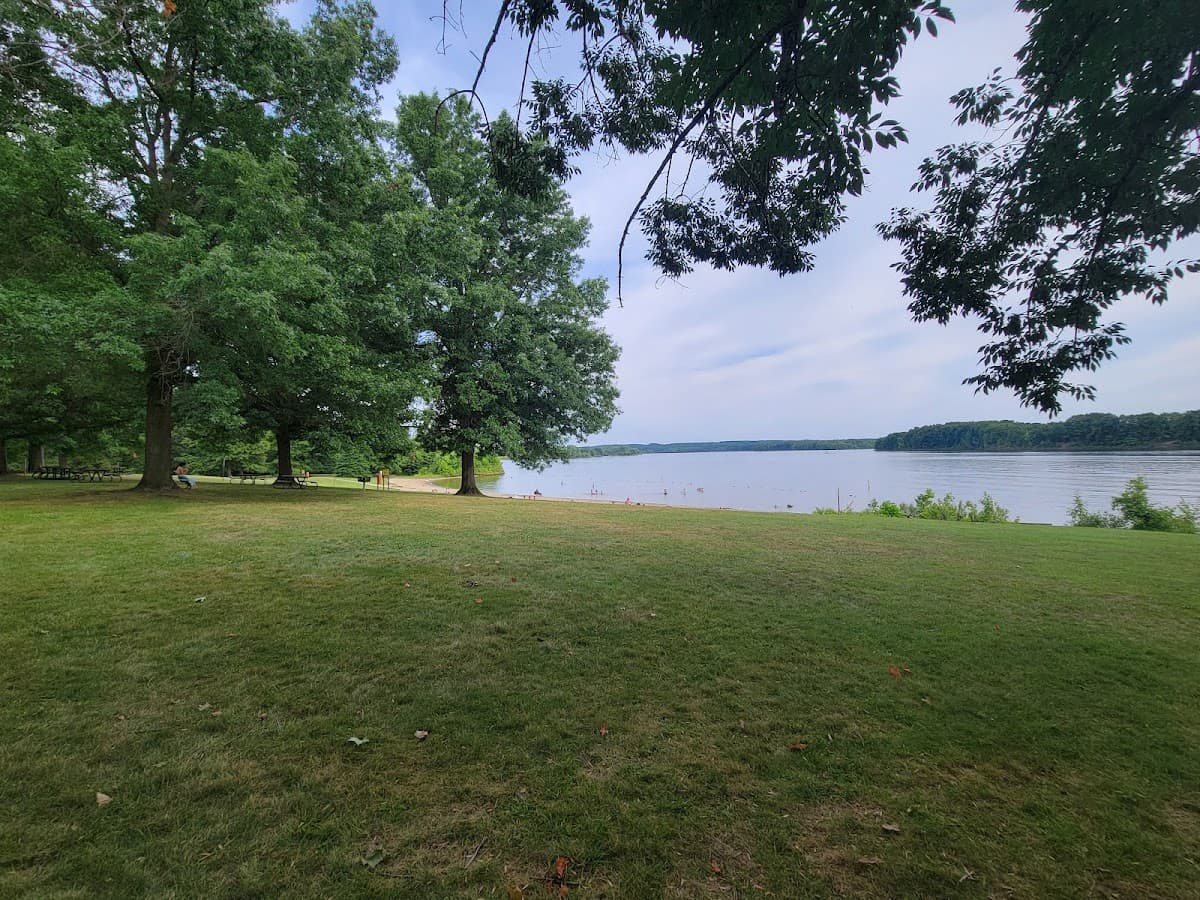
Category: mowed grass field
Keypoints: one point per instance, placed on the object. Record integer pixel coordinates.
(678, 703)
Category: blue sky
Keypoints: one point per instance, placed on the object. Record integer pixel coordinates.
(831, 353)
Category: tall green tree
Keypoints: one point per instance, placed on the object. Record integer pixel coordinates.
(1093, 174)
(305, 327)
(520, 365)
(148, 89)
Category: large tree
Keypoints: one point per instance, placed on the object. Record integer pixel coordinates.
(520, 365)
(306, 328)
(1093, 173)
(147, 89)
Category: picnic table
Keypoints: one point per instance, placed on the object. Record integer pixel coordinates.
(252, 477)
(84, 473)
(296, 481)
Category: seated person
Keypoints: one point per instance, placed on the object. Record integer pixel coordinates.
(181, 472)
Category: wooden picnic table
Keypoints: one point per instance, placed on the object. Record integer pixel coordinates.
(252, 477)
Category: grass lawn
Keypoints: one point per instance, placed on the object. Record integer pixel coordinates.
(202, 659)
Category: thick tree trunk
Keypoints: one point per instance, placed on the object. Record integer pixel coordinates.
(62, 460)
(37, 457)
(3, 456)
(469, 487)
(283, 447)
(158, 465)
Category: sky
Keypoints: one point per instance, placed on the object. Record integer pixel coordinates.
(832, 353)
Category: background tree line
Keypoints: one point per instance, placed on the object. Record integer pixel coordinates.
(1092, 431)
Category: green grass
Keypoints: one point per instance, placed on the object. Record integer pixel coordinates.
(1044, 743)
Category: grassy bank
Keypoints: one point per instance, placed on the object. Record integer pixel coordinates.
(976, 710)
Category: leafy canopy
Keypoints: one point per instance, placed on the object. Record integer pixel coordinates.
(760, 114)
(519, 366)
(1093, 172)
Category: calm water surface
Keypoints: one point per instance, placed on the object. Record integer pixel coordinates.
(1036, 487)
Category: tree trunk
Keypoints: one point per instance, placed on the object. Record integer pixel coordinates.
(37, 457)
(3, 456)
(283, 447)
(62, 460)
(469, 487)
(157, 464)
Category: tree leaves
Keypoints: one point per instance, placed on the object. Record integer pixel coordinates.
(1039, 237)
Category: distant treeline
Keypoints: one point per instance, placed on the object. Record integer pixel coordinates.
(1092, 431)
(721, 447)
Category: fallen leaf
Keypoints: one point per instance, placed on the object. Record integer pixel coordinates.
(199, 599)
(216, 713)
(893, 829)
(870, 861)
(715, 866)
(203, 706)
(513, 579)
(895, 672)
(120, 718)
(604, 730)
(798, 745)
(372, 859)
(357, 741)
(515, 893)
(478, 599)
(560, 867)
(406, 584)
(926, 701)
(654, 615)
(102, 799)
(262, 717)
(421, 735)
(562, 890)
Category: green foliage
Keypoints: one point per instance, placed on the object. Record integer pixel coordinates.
(778, 102)
(1091, 431)
(1094, 173)
(432, 462)
(889, 509)
(1081, 517)
(173, 108)
(519, 365)
(947, 509)
(1134, 510)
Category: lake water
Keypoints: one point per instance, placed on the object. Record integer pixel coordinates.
(1036, 487)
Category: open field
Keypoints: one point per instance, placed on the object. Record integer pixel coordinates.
(202, 659)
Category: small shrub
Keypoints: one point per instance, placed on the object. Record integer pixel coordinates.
(1135, 507)
(890, 509)
(1134, 510)
(1082, 517)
